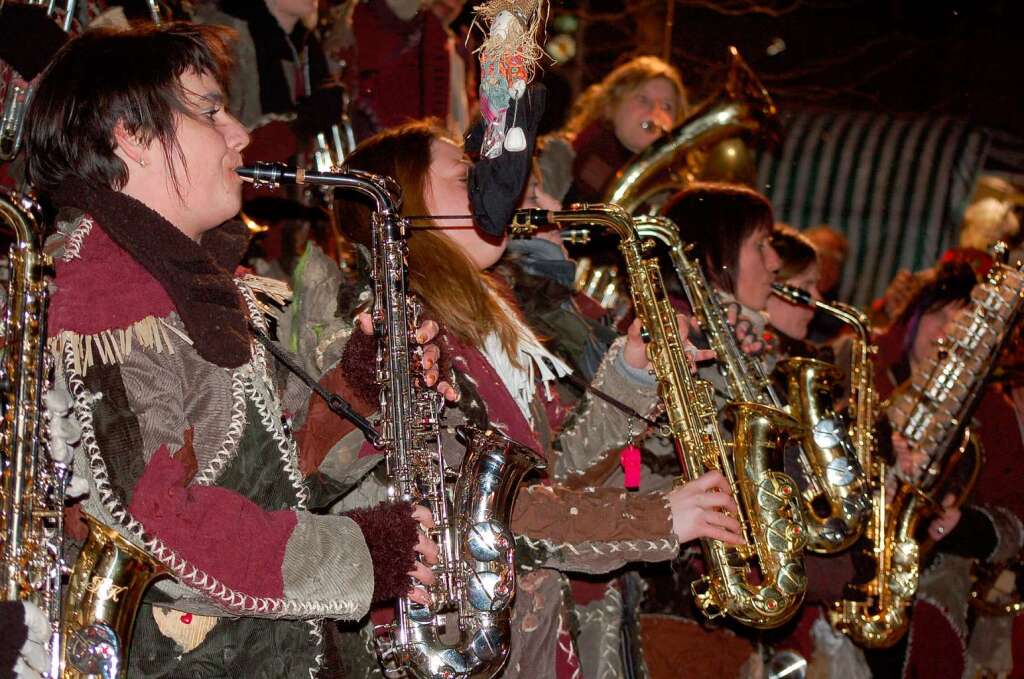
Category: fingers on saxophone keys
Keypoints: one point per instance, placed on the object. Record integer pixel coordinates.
(426, 332)
(450, 393)
(420, 596)
(427, 548)
(724, 521)
(422, 573)
(716, 500)
(423, 516)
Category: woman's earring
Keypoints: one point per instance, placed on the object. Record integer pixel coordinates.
(142, 162)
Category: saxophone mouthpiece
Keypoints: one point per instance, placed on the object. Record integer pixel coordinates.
(526, 222)
(270, 174)
(792, 294)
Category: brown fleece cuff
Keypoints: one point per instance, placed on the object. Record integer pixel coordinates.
(390, 533)
(359, 363)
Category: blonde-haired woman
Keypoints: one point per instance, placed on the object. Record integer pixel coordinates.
(611, 121)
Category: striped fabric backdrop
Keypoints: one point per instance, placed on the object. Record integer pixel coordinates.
(896, 186)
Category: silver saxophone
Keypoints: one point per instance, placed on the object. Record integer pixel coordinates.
(17, 92)
(465, 631)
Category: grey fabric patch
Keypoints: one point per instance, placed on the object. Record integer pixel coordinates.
(598, 641)
(600, 426)
(327, 560)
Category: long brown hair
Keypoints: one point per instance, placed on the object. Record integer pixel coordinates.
(598, 102)
(456, 294)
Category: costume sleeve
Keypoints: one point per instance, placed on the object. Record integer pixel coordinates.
(243, 558)
(593, 530)
(597, 426)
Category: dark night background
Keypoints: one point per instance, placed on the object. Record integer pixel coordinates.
(908, 56)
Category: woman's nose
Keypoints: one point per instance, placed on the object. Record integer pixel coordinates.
(772, 262)
(235, 135)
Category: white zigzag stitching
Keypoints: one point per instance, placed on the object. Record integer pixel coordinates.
(215, 467)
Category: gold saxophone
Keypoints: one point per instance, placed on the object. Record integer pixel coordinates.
(932, 411)
(706, 145)
(92, 625)
(768, 514)
(837, 499)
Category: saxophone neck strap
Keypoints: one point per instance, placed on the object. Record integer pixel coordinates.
(337, 404)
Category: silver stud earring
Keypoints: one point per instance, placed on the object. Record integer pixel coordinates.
(142, 162)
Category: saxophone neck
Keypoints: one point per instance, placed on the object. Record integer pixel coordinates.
(526, 222)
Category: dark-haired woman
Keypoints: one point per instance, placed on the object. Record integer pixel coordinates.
(505, 377)
(729, 227)
(945, 638)
(185, 446)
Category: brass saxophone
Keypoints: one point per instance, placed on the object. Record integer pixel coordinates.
(837, 501)
(91, 625)
(465, 631)
(768, 515)
(933, 412)
(743, 107)
(32, 485)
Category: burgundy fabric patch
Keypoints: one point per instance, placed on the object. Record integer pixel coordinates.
(103, 290)
(195, 276)
(216, 530)
(390, 533)
(502, 409)
(936, 650)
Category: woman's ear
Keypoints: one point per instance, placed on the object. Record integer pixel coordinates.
(129, 146)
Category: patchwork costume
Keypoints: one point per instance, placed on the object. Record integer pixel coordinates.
(188, 453)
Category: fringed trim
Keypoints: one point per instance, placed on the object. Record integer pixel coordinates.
(113, 346)
(277, 291)
(73, 242)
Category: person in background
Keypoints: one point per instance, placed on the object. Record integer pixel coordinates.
(506, 377)
(402, 60)
(832, 248)
(944, 638)
(611, 122)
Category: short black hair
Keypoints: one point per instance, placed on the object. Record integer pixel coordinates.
(953, 284)
(716, 218)
(109, 75)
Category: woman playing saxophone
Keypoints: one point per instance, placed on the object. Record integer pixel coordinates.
(184, 444)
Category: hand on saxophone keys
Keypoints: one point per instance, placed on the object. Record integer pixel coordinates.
(635, 352)
(430, 355)
(428, 552)
(705, 508)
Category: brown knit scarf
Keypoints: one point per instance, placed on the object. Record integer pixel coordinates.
(197, 277)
